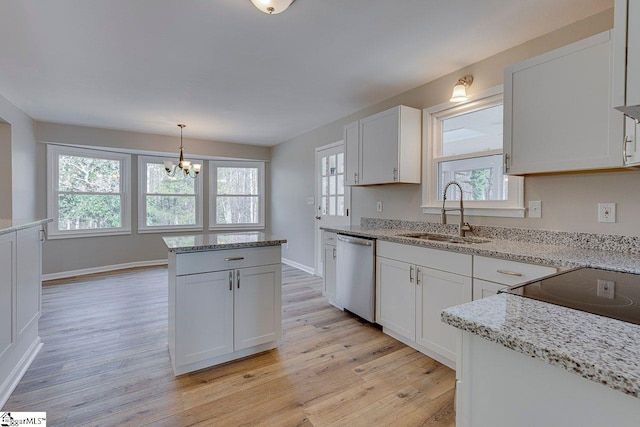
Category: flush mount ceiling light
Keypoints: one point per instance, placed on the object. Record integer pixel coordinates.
(272, 7)
(191, 170)
(460, 89)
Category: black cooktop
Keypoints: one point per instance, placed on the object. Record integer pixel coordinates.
(606, 293)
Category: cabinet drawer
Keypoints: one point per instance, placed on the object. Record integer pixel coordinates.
(427, 257)
(227, 259)
(329, 238)
(508, 272)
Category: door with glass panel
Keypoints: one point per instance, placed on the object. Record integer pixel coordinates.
(332, 199)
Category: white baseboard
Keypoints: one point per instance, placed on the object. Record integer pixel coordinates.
(103, 269)
(299, 266)
(18, 372)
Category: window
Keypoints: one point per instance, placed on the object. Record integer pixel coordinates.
(332, 184)
(164, 202)
(88, 192)
(464, 144)
(237, 195)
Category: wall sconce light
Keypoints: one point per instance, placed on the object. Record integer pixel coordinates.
(272, 7)
(460, 89)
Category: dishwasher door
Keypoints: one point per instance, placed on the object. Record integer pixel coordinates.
(355, 276)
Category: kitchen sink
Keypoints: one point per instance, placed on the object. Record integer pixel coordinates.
(445, 238)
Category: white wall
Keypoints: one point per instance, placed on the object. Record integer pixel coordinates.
(21, 175)
(569, 201)
(64, 255)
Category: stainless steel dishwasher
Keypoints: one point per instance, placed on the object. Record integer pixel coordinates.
(355, 281)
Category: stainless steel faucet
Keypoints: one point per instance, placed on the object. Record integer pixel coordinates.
(464, 226)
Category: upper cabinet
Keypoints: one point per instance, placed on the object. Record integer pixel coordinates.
(557, 111)
(626, 90)
(384, 148)
(626, 77)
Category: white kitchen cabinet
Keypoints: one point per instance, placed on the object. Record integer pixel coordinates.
(626, 85)
(233, 310)
(438, 290)
(492, 274)
(329, 266)
(413, 286)
(20, 295)
(384, 148)
(558, 114)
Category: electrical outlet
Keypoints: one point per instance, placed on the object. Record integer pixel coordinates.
(606, 289)
(535, 209)
(606, 212)
(379, 206)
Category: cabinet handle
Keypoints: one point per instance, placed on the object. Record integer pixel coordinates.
(355, 177)
(509, 273)
(506, 163)
(417, 276)
(627, 139)
(238, 278)
(231, 280)
(395, 174)
(334, 253)
(237, 258)
(411, 274)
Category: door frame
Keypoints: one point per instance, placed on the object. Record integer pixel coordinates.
(317, 251)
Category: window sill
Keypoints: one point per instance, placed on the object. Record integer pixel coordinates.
(91, 233)
(151, 230)
(259, 227)
(477, 211)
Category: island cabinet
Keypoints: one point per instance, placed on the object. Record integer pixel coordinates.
(223, 305)
(20, 302)
(384, 148)
(558, 114)
(413, 286)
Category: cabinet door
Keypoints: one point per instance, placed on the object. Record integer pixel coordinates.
(329, 273)
(438, 290)
(483, 289)
(7, 282)
(379, 138)
(351, 153)
(558, 114)
(396, 296)
(258, 306)
(631, 142)
(204, 316)
(633, 52)
(28, 278)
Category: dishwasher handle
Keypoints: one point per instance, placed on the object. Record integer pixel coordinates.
(355, 241)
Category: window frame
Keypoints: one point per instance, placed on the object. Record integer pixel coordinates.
(431, 148)
(53, 155)
(143, 228)
(213, 194)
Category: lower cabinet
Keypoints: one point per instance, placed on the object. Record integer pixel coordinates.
(218, 316)
(411, 294)
(20, 295)
(329, 267)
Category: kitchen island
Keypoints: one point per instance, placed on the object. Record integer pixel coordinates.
(224, 297)
(20, 290)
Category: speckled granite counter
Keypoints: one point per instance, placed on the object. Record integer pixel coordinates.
(595, 347)
(516, 250)
(218, 241)
(9, 225)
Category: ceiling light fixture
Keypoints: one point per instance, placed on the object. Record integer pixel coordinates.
(191, 170)
(460, 89)
(272, 7)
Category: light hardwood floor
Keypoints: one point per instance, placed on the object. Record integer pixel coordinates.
(105, 362)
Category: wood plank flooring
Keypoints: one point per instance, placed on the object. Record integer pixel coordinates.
(105, 362)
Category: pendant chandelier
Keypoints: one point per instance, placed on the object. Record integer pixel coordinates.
(188, 169)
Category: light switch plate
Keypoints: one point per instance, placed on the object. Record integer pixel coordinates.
(311, 200)
(535, 209)
(379, 206)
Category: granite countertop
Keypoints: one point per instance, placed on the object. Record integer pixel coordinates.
(597, 348)
(9, 225)
(515, 250)
(219, 241)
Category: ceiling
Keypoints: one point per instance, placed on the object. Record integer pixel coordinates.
(233, 73)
